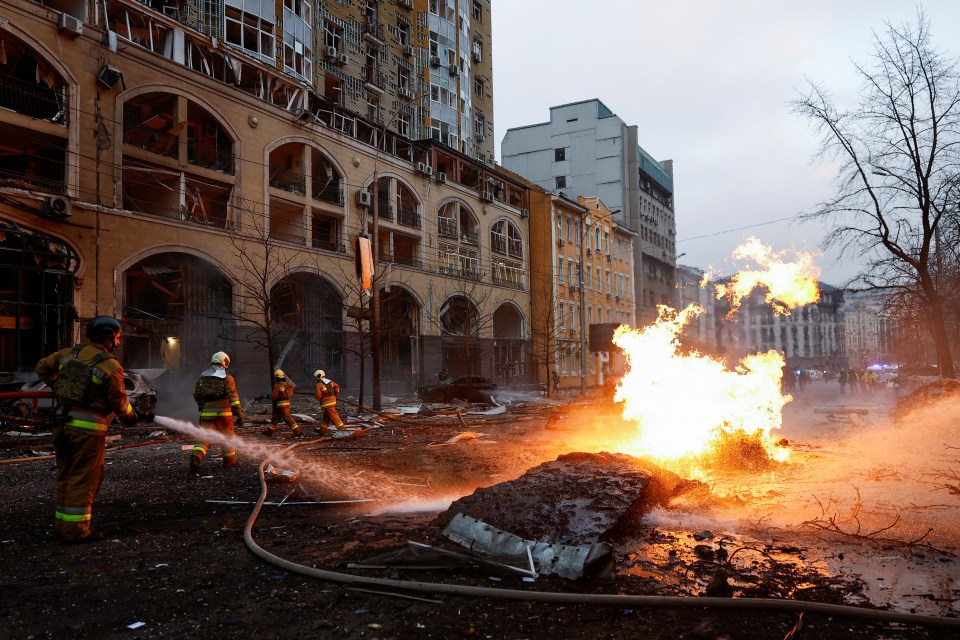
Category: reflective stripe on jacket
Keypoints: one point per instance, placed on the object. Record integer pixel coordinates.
(326, 392)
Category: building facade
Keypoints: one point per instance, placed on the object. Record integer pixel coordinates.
(871, 332)
(160, 170)
(583, 265)
(811, 336)
(587, 150)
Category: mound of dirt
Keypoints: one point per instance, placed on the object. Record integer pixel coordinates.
(579, 498)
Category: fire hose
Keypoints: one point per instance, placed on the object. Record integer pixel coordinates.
(559, 597)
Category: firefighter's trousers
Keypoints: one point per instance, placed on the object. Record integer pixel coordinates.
(80, 462)
(282, 413)
(224, 426)
(331, 417)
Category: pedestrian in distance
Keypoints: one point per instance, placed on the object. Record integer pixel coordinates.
(220, 410)
(555, 378)
(280, 396)
(842, 379)
(88, 384)
(326, 393)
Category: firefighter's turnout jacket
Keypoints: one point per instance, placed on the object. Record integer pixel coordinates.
(216, 395)
(326, 393)
(79, 440)
(226, 401)
(108, 396)
(280, 395)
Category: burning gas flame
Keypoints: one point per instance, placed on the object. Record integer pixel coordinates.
(789, 284)
(682, 403)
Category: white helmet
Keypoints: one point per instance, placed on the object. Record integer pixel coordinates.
(221, 359)
(319, 373)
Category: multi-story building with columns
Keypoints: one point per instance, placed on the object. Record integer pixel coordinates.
(197, 187)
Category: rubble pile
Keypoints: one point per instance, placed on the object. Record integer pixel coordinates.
(579, 498)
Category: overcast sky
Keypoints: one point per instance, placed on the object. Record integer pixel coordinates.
(707, 82)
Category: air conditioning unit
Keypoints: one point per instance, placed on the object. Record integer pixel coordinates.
(434, 61)
(609, 257)
(486, 195)
(589, 251)
(109, 76)
(479, 136)
(406, 94)
(331, 52)
(454, 70)
(57, 206)
(560, 242)
(421, 167)
(342, 58)
(70, 24)
(441, 177)
(524, 213)
(476, 56)
(429, 171)
(364, 198)
(408, 51)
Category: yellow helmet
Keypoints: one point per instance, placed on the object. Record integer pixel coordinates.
(279, 374)
(221, 359)
(319, 373)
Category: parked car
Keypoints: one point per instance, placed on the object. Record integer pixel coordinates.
(469, 388)
(140, 393)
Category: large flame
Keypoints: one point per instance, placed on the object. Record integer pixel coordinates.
(683, 403)
(789, 284)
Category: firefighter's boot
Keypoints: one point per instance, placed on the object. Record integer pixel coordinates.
(229, 461)
(297, 431)
(195, 465)
(269, 431)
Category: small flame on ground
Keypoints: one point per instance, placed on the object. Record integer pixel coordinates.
(682, 403)
(789, 284)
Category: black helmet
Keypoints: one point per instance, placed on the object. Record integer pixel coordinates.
(102, 327)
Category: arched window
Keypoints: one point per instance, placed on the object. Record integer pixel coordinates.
(506, 258)
(35, 160)
(458, 252)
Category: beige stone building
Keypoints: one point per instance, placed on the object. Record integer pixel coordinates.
(184, 167)
(582, 264)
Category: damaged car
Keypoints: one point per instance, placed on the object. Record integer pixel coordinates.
(467, 388)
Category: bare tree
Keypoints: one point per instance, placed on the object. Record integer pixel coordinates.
(261, 262)
(463, 313)
(546, 339)
(898, 180)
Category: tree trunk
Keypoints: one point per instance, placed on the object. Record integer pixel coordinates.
(941, 340)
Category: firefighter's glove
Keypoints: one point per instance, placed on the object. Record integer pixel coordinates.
(238, 419)
(131, 419)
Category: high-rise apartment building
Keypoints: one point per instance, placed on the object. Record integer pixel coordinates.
(587, 150)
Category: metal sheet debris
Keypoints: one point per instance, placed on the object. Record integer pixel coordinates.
(280, 474)
(594, 560)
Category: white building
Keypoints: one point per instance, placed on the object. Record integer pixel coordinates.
(586, 150)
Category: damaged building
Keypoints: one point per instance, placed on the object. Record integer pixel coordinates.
(201, 170)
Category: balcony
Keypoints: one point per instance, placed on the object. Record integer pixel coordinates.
(20, 180)
(406, 261)
(327, 192)
(328, 245)
(215, 159)
(375, 78)
(288, 181)
(33, 100)
(384, 210)
(373, 30)
(163, 144)
(470, 236)
(409, 217)
(289, 238)
(447, 227)
(468, 271)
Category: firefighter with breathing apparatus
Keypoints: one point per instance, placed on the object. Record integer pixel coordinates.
(219, 405)
(88, 383)
(326, 393)
(280, 396)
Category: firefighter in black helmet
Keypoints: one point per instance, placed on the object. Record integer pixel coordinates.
(88, 383)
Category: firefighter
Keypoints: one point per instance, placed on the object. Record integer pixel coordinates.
(280, 395)
(326, 393)
(219, 405)
(88, 383)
